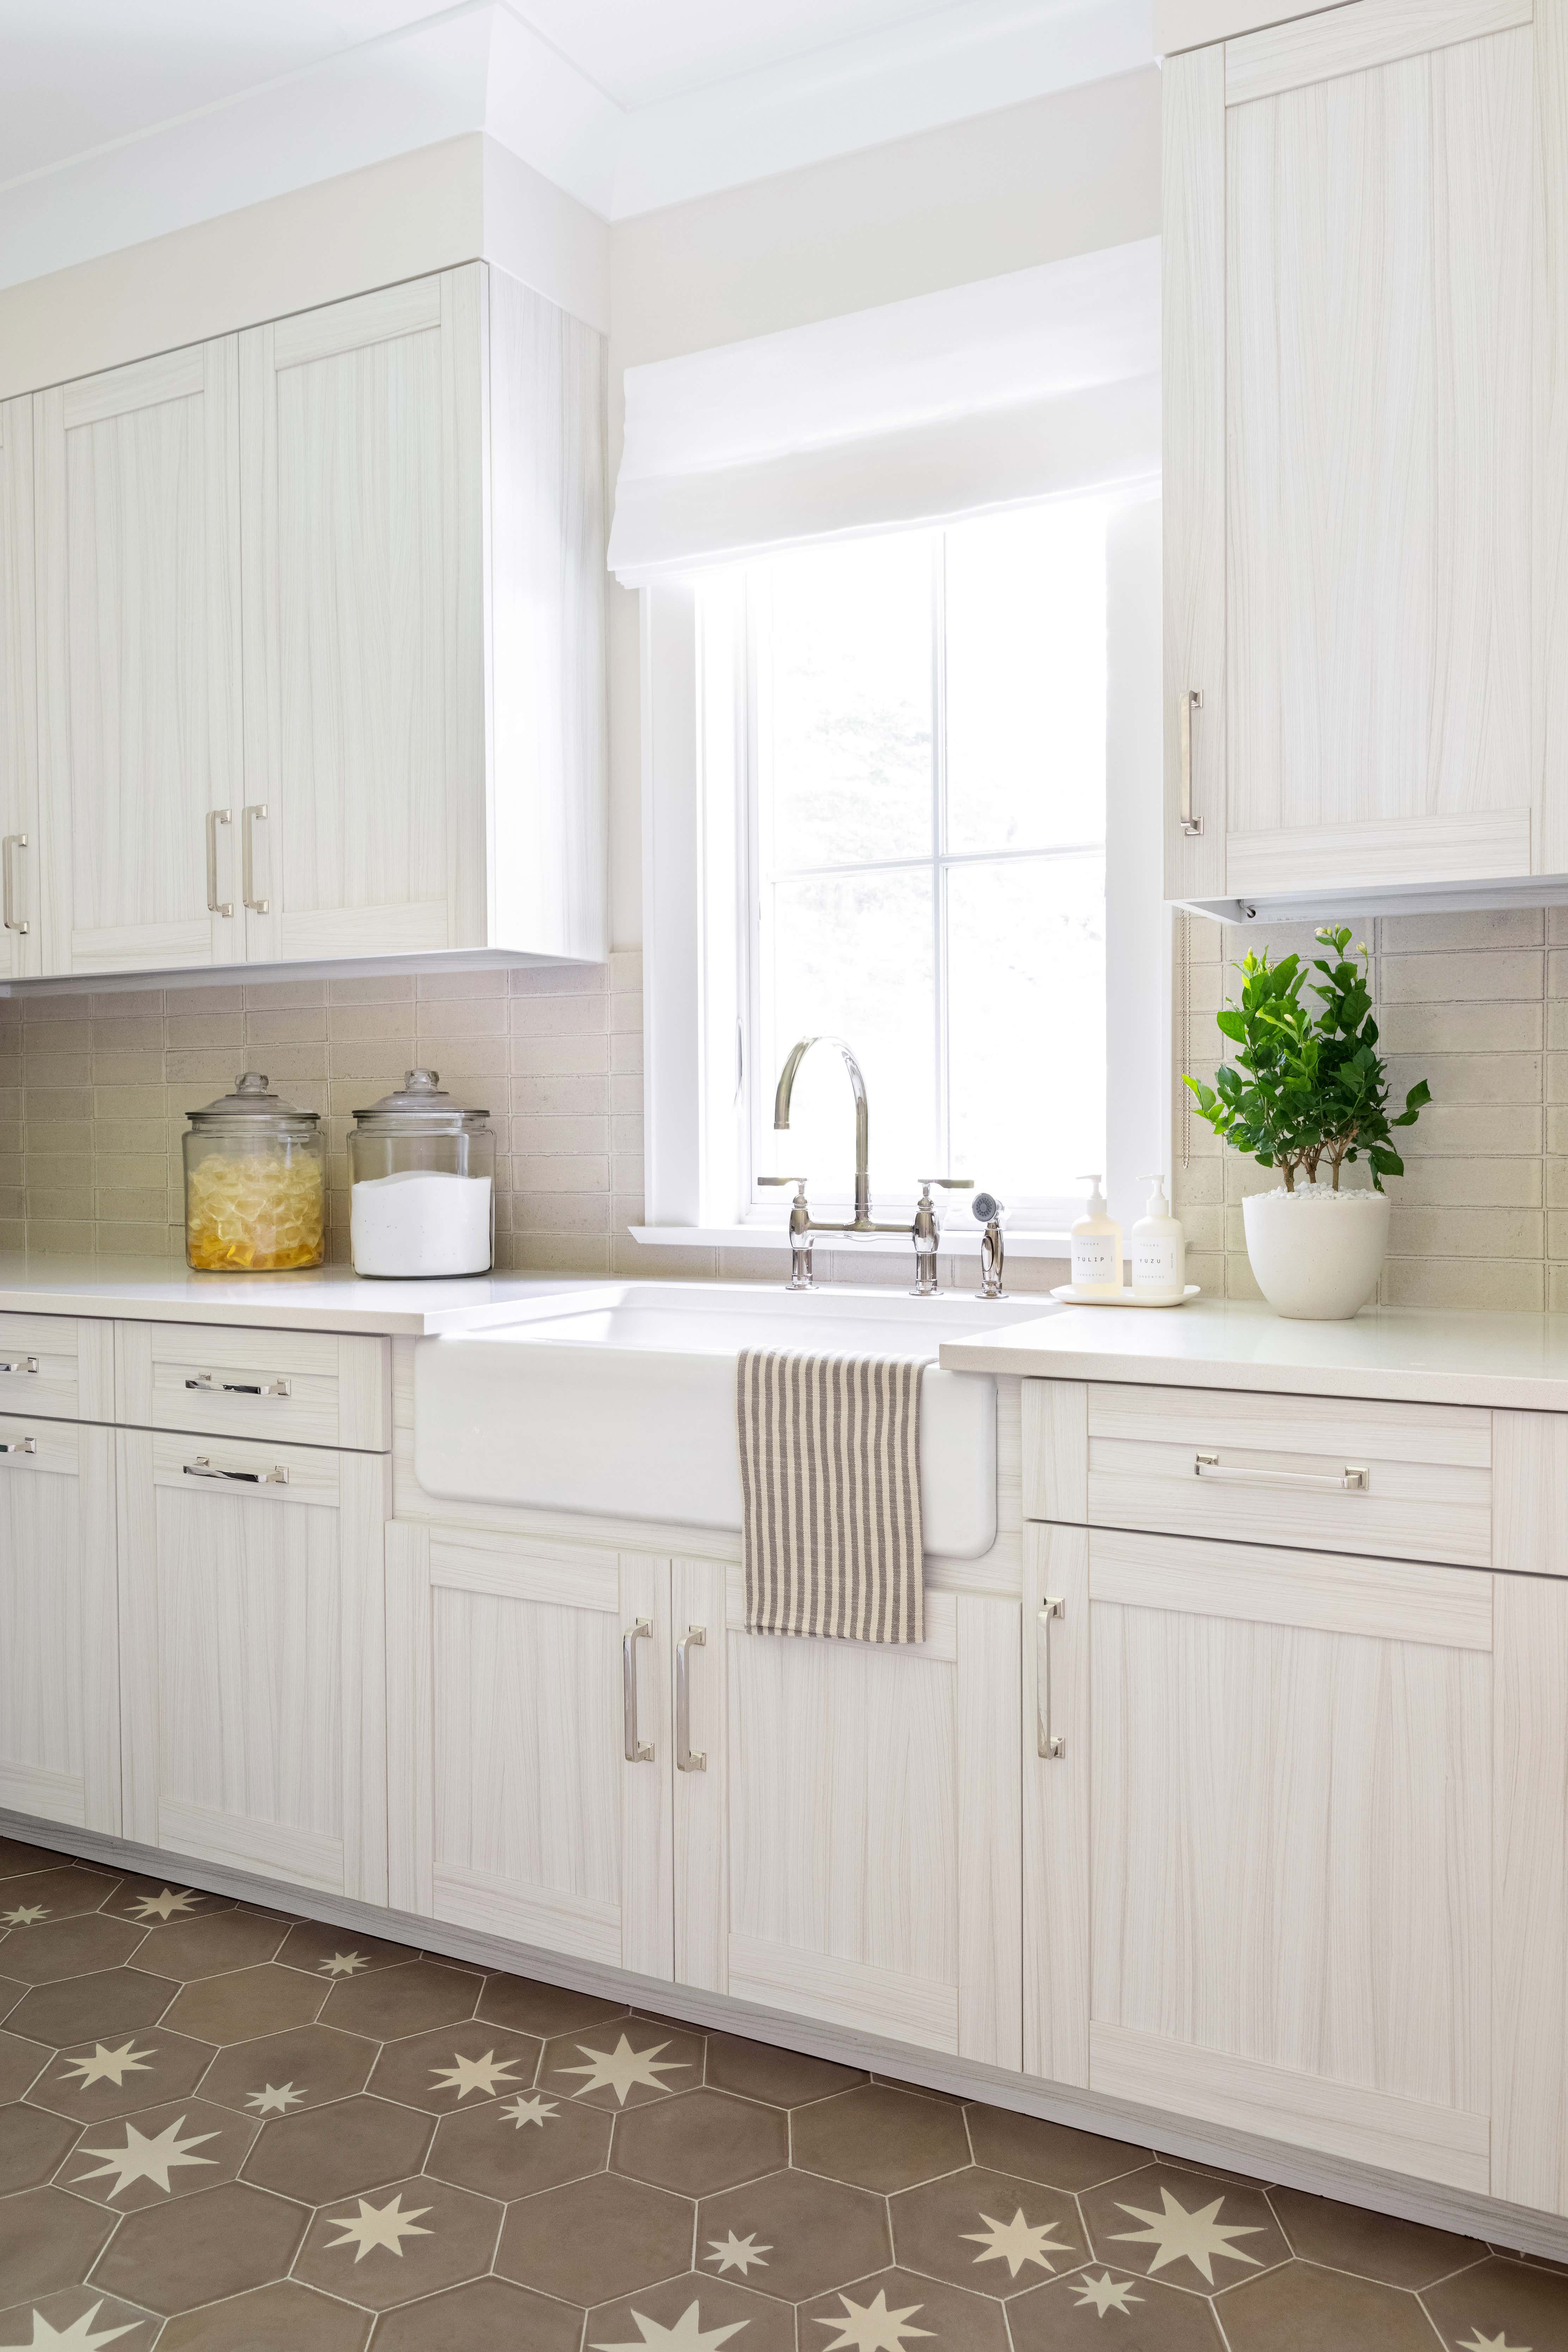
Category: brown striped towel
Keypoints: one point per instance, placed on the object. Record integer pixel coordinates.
(830, 1495)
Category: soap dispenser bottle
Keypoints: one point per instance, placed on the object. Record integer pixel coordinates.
(1159, 1252)
(1097, 1248)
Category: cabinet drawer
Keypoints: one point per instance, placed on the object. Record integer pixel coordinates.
(306, 1388)
(1408, 1482)
(42, 1371)
(33, 1443)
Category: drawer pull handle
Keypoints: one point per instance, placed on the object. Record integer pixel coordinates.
(637, 1749)
(18, 1445)
(202, 1467)
(1353, 1479)
(20, 1364)
(212, 1385)
(686, 1757)
(1052, 1746)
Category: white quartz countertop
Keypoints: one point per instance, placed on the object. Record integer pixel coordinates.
(1419, 1356)
(330, 1299)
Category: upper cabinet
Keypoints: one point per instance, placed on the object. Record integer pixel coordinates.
(321, 640)
(1366, 463)
(19, 929)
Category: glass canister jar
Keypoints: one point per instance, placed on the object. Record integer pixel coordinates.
(256, 1191)
(423, 1176)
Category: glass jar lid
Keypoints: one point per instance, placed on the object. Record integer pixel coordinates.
(419, 1107)
(252, 1107)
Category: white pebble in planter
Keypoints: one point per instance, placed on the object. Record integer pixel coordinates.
(1316, 1252)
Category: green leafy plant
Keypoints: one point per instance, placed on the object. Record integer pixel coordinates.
(1307, 1086)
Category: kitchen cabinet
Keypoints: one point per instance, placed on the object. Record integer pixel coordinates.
(20, 929)
(529, 1742)
(252, 1652)
(59, 1673)
(1366, 462)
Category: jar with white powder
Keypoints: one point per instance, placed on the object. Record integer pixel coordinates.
(423, 1176)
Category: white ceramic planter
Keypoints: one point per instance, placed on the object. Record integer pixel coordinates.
(1316, 1254)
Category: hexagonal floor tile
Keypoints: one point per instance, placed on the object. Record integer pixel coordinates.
(625, 2064)
(97, 2008)
(792, 2235)
(542, 2009)
(1070, 2315)
(280, 2074)
(987, 2232)
(699, 2142)
(153, 1902)
(21, 2064)
(455, 2066)
(516, 2147)
(51, 1895)
(1299, 2303)
(145, 2159)
(57, 1948)
(596, 2240)
(1187, 2228)
(33, 2146)
(174, 2257)
(329, 2152)
(10, 1994)
(480, 2317)
(284, 2317)
(400, 2241)
(783, 2078)
(210, 1947)
(1515, 2300)
(96, 2316)
(1032, 2149)
(245, 2004)
(868, 2312)
(1373, 2245)
(337, 1952)
(95, 2079)
(881, 2138)
(694, 2311)
(391, 2003)
(48, 2240)
(17, 1859)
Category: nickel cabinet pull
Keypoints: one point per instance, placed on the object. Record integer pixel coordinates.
(20, 1364)
(637, 1749)
(248, 879)
(1353, 1479)
(686, 1757)
(1051, 1744)
(1192, 703)
(18, 1445)
(204, 1467)
(215, 906)
(211, 1385)
(12, 844)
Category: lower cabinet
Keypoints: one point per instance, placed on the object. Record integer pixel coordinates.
(252, 1656)
(59, 1673)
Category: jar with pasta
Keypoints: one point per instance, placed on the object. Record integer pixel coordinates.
(256, 1195)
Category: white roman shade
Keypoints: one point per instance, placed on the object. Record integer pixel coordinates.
(1042, 384)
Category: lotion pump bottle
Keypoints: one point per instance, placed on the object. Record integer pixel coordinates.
(1097, 1248)
(1159, 1252)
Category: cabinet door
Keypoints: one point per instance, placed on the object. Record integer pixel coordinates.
(1290, 1799)
(21, 929)
(848, 1848)
(364, 764)
(529, 1742)
(59, 1674)
(138, 703)
(251, 1635)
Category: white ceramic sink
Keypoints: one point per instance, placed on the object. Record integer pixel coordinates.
(619, 1400)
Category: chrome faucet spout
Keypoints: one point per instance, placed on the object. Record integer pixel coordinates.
(797, 1054)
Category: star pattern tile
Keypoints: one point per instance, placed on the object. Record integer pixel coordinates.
(624, 2069)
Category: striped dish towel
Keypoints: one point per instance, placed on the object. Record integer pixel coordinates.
(830, 1495)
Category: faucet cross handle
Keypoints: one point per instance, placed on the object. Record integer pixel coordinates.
(799, 1181)
(948, 1183)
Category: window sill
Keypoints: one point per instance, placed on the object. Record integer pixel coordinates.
(955, 1242)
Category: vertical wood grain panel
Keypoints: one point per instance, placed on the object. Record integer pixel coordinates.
(1056, 1816)
(410, 1749)
(1550, 431)
(701, 1841)
(136, 1498)
(1056, 1450)
(1328, 43)
(1530, 2002)
(19, 953)
(1530, 1507)
(363, 1509)
(647, 1829)
(990, 1834)
(98, 1519)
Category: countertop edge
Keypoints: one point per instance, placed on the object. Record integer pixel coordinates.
(1381, 1384)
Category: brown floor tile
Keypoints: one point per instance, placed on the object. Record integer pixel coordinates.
(695, 2311)
(244, 2005)
(163, 2152)
(1084, 2313)
(337, 1953)
(542, 2009)
(154, 1902)
(1186, 2228)
(284, 2317)
(627, 2063)
(597, 2239)
(48, 2240)
(104, 2315)
(58, 1948)
(1299, 2308)
(52, 1895)
(334, 2151)
(1524, 2303)
(792, 2236)
(17, 1859)
(174, 2257)
(398, 2243)
(210, 1947)
(699, 2142)
(783, 2077)
(987, 2232)
(457, 2066)
(517, 2146)
(96, 2079)
(1033, 2149)
(390, 2003)
(11, 1992)
(21, 2064)
(1373, 2245)
(283, 2073)
(920, 2090)
(97, 2008)
(880, 2138)
(947, 2315)
(483, 2316)
(33, 2146)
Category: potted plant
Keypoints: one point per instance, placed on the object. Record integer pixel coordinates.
(1308, 1095)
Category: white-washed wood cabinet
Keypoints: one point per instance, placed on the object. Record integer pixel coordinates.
(252, 1656)
(59, 1670)
(1366, 461)
(21, 931)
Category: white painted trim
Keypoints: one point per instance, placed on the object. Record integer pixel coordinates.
(104, 983)
(1196, 24)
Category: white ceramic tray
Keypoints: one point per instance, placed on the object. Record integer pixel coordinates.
(1071, 1297)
